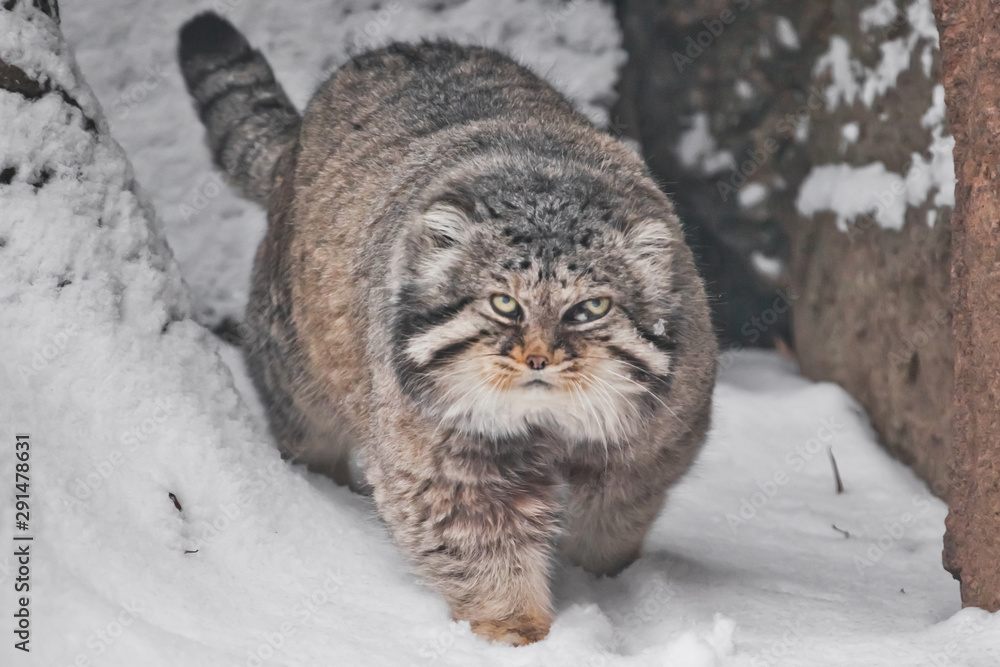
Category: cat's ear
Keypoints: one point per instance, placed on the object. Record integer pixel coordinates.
(650, 241)
(441, 233)
(444, 224)
(649, 249)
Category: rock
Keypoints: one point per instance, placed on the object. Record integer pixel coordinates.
(806, 147)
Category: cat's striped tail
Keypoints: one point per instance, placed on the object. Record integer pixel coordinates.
(249, 119)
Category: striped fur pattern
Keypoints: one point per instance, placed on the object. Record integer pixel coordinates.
(435, 229)
(250, 122)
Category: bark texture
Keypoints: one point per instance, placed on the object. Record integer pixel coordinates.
(871, 308)
(970, 43)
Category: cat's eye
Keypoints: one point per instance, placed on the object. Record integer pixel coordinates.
(505, 305)
(589, 310)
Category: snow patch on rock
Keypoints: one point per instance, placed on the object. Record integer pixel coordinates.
(752, 194)
(843, 71)
(785, 32)
(851, 80)
(770, 267)
(942, 163)
(743, 89)
(696, 148)
(850, 191)
(849, 133)
(880, 14)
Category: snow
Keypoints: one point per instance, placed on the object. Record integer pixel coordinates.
(755, 561)
(921, 18)
(770, 267)
(752, 194)
(927, 59)
(850, 79)
(743, 89)
(785, 32)
(802, 129)
(849, 133)
(880, 14)
(941, 170)
(696, 148)
(842, 70)
(849, 190)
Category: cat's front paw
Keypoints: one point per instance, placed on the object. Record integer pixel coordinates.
(517, 631)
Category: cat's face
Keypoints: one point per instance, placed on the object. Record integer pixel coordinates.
(537, 313)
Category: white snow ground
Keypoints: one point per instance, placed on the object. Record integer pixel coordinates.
(744, 567)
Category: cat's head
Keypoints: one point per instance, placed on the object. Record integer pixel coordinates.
(539, 301)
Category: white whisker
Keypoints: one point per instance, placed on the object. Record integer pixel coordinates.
(604, 440)
(648, 391)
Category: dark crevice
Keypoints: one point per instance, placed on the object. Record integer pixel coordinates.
(44, 176)
(172, 316)
(913, 368)
(231, 331)
(16, 80)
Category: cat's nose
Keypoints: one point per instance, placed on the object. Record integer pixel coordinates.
(537, 361)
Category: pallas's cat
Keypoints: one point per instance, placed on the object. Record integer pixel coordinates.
(484, 296)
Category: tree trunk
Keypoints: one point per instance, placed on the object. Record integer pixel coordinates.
(970, 35)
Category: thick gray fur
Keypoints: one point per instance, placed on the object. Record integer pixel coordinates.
(250, 122)
(424, 181)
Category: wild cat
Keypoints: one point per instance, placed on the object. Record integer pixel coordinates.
(486, 296)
